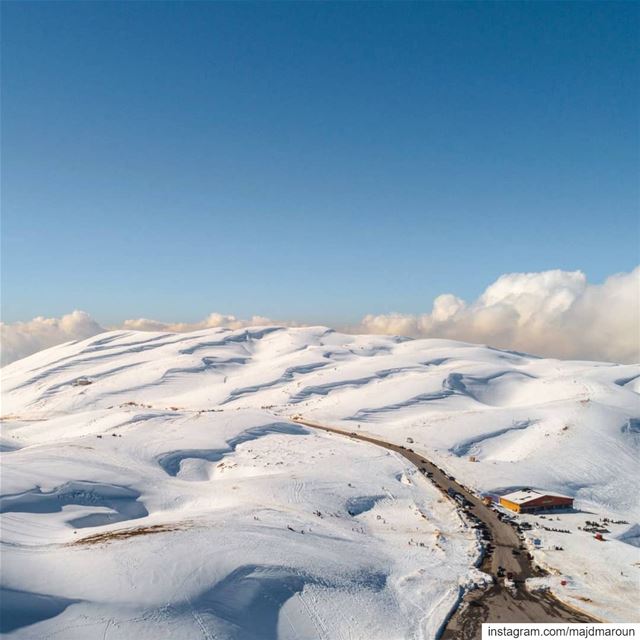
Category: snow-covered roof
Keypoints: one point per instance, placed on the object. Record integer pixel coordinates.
(525, 495)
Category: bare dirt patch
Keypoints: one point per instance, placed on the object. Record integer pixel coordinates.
(124, 534)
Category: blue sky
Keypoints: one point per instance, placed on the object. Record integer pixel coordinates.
(310, 161)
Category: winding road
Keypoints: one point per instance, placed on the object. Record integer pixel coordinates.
(499, 603)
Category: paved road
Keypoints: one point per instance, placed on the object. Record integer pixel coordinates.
(497, 604)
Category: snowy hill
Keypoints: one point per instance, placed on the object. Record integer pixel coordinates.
(153, 483)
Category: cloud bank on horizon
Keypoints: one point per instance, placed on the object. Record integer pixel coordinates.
(551, 313)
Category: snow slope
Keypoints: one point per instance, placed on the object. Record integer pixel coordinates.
(153, 483)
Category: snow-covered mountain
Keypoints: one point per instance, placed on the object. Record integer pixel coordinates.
(153, 484)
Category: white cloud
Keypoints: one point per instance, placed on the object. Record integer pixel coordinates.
(551, 313)
(21, 339)
(211, 321)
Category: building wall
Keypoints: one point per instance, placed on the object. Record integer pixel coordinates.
(547, 502)
(510, 505)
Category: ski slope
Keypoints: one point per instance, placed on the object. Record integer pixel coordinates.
(154, 486)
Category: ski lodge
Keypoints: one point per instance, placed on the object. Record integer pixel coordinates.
(531, 501)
